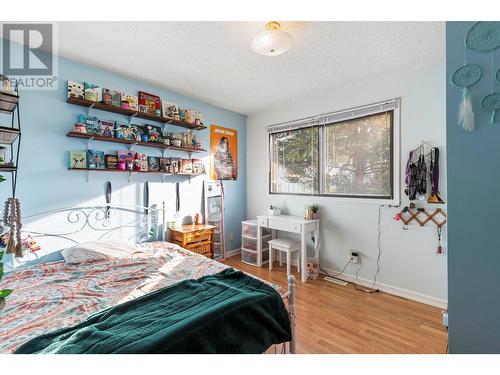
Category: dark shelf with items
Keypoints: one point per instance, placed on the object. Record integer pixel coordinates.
(8, 102)
(134, 171)
(128, 112)
(130, 142)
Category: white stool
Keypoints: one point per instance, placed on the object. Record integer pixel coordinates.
(288, 246)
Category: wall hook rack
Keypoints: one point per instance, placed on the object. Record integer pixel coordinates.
(422, 216)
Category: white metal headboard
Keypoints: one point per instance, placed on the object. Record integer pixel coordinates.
(67, 226)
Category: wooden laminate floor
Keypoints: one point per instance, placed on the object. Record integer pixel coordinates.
(339, 319)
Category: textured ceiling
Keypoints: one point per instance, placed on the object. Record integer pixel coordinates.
(213, 62)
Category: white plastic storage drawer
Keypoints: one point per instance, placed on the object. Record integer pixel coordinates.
(251, 243)
(249, 229)
(250, 257)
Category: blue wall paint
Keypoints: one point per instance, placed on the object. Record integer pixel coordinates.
(45, 183)
(473, 206)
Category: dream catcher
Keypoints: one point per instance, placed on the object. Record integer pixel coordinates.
(483, 37)
(12, 219)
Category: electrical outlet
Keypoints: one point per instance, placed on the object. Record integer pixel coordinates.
(231, 237)
(354, 256)
(445, 318)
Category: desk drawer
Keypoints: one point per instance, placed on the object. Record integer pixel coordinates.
(283, 225)
(262, 221)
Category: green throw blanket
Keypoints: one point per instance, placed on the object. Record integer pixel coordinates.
(229, 312)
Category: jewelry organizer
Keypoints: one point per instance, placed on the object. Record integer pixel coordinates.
(407, 215)
(423, 217)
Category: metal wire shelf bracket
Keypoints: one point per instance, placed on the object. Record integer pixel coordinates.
(90, 109)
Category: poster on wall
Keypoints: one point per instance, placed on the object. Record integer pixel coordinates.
(223, 153)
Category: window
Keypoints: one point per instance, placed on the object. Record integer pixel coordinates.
(346, 154)
(295, 161)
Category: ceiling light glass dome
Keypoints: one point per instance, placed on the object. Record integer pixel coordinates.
(272, 41)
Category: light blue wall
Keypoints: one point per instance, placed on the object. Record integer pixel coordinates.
(473, 210)
(45, 183)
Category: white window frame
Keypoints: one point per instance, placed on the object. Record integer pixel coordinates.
(338, 116)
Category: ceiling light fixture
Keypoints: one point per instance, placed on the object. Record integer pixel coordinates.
(272, 41)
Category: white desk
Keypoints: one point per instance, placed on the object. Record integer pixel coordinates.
(292, 224)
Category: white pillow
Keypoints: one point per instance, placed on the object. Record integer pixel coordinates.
(93, 251)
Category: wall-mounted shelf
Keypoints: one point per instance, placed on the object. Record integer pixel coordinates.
(129, 142)
(130, 173)
(128, 112)
(8, 102)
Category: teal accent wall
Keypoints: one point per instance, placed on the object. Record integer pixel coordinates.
(45, 183)
(473, 189)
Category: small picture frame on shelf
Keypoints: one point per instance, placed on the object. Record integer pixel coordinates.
(186, 166)
(95, 159)
(112, 97)
(111, 161)
(169, 110)
(149, 104)
(123, 131)
(137, 132)
(165, 165)
(175, 162)
(116, 98)
(107, 128)
(141, 162)
(153, 164)
(154, 133)
(93, 92)
(126, 155)
(106, 97)
(197, 117)
(91, 123)
(198, 166)
(131, 100)
(76, 90)
(78, 159)
(80, 128)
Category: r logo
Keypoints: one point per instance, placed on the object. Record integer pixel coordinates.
(28, 49)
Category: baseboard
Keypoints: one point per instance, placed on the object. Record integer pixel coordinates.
(232, 253)
(404, 293)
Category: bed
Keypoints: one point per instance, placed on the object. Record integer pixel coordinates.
(189, 303)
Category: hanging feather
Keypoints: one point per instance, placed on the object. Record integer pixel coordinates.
(492, 120)
(491, 103)
(465, 113)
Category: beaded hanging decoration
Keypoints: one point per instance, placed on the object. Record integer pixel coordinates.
(12, 219)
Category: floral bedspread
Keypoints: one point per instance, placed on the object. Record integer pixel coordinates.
(50, 296)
